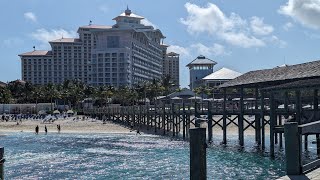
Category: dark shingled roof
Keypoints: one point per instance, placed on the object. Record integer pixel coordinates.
(201, 60)
(278, 74)
(307, 83)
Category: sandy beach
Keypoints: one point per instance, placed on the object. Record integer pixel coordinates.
(72, 125)
(68, 125)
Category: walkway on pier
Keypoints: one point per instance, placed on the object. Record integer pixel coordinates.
(313, 175)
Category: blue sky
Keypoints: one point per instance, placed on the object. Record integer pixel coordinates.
(241, 35)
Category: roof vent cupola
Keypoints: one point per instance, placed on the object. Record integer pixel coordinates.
(201, 57)
(127, 11)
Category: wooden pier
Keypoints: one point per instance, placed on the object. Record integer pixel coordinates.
(262, 100)
(263, 110)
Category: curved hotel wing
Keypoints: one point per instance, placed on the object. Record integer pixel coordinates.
(124, 54)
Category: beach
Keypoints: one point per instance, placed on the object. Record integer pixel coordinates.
(68, 125)
(90, 125)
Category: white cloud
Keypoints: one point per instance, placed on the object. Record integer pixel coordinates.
(12, 42)
(104, 8)
(312, 35)
(215, 50)
(199, 49)
(275, 40)
(259, 27)
(30, 16)
(179, 49)
(232, 29)
(210, 19)
(306, 12)
(45, 35)
(146, 22)
(287, 26)
(242, 40)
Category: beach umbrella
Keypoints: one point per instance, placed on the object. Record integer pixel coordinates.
(56, 112)
(70, 112)
(195, 97)
(160, 97)
(176, 98)
(42, 112)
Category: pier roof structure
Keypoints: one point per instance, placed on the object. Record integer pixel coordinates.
(276, 76)
(306, 83)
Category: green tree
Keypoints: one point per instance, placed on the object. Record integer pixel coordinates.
(5, 95)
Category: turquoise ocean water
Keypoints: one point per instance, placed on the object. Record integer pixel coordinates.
(125, 156)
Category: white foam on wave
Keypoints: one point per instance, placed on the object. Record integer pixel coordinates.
(29, 157)
(110, 151)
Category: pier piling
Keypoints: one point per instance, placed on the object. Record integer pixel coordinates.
(198, 159)
(292, 148)
(2, 160)
(318, 144)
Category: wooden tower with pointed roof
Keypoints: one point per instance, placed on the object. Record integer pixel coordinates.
(199, 68)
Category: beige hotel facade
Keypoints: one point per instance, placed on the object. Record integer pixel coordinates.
(124, 54)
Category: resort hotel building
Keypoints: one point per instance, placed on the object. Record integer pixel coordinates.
(171, 67)
(124, 54)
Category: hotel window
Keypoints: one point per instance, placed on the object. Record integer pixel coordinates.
(113, 42)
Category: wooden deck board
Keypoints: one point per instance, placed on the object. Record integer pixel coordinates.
(314, 175)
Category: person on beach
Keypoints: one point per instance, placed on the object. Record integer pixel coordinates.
(138, 131)
(59, 128)
(45, 129)
(131, 128)
(37, 129)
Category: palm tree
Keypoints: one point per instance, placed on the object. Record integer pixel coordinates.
(141, 91)
(107, 94)
(16, 89)
(5, 95)
(36, 95)
(27, 91)
(51, 93)
(89, 91)
(153, 89)
(167, 84)
(203, 90)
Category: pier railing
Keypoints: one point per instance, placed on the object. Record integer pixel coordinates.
(293, 146)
